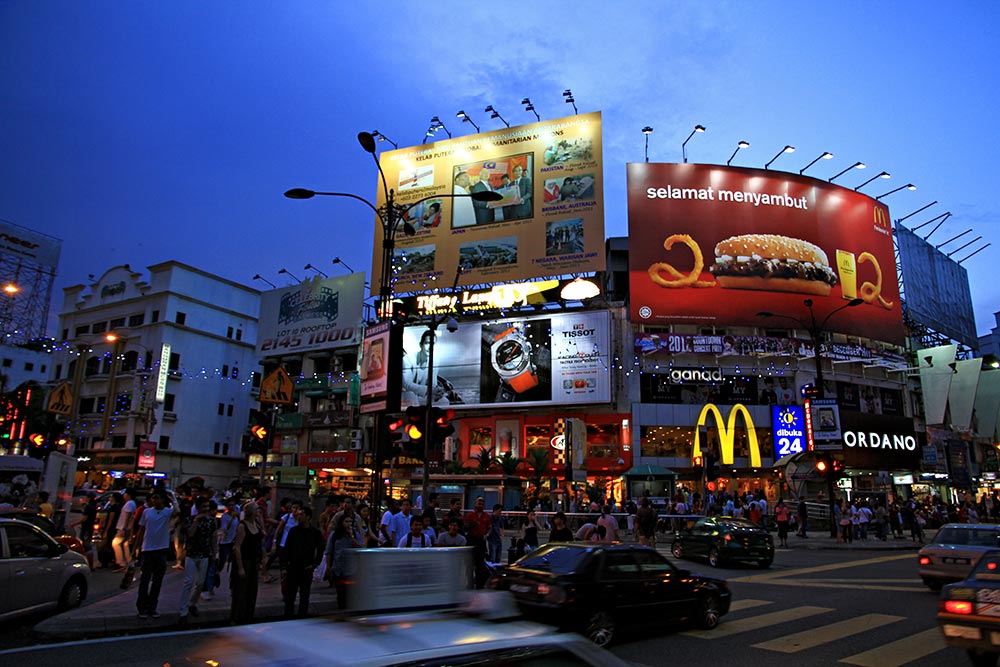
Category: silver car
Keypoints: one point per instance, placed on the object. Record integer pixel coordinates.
(36, 572)
(955, 549)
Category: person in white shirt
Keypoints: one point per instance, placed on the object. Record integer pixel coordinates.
(416, 539)
(452, 538)
(401, 522)
(153, 538)
(385, 528)
(123, 532)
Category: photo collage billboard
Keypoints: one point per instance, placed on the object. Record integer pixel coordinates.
(718, 245)
(549, 220)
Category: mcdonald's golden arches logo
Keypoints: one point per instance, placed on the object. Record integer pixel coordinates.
(882, 217)
(727, 433)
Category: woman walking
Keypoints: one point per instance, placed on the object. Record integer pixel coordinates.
(781, 518)
(247, 551)
(343, 538)
(530, 534)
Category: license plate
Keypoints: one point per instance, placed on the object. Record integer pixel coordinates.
(956, 561)
(520, 588)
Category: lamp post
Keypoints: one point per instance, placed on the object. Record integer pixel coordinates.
(647, 131)
(786, 149)
(684, 153)
(815, 330)
(389, 215)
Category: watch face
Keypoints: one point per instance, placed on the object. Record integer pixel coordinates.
(510, 355)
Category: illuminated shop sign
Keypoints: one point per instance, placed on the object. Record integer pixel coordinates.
(727, 433)
(498, 297)
(788, 429)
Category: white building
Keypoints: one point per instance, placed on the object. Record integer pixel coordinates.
(210, 326)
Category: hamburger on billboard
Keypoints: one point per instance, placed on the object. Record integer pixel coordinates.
(716, 245)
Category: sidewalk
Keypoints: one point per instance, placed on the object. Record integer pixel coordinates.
(118, 615)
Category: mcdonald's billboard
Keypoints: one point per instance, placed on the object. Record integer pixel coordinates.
(727, 433)
(716, 245)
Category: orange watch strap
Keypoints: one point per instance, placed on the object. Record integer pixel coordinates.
(523, 382)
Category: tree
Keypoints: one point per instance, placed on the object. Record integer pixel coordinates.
(485, 459)
(538, 459)
(508, 463)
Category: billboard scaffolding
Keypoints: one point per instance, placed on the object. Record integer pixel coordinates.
(28, 262)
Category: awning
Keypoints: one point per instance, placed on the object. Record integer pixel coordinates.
(791, 458)
(647, 470)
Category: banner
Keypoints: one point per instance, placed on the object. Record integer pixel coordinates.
(317, 314)
(717, 245)
(550, 220)
(537, 360)
(147, 455)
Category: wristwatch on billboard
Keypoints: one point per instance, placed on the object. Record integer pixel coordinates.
(511, 357)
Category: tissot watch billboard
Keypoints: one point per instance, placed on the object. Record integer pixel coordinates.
(549, 219)
(718, 245)
(559, 358)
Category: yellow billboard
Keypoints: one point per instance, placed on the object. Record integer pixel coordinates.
(549, 220)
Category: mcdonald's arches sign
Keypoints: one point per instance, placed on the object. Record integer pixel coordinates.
(727, 433)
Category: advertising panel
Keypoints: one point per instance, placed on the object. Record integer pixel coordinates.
(317, 314)
(693, 386)
(550, 220)
(379, 365)
(788, 424)
(544, 359)
(147, 455)
(937, 293)
(24, 243)
(716, 245)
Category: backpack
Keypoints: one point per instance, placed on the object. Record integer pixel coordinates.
(409, 540)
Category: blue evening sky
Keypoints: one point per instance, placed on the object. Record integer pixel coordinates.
(140, 131)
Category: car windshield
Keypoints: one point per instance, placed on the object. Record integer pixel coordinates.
(555, 559)
(976, 537)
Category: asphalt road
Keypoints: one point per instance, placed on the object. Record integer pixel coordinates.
(810, 608)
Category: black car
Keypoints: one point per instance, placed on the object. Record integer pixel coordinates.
(595, 589)
(725, 539)
(969, 611)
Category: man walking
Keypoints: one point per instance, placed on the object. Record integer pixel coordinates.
(153, 538)
(477, 526)
(201, 545)
(803, 515)
(227, 536)
(303, 552)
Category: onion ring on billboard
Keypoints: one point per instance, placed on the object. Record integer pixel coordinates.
(677, 278)
(869, 292)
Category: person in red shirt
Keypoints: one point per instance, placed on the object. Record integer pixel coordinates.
(477, 526)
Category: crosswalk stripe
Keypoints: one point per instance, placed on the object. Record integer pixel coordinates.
(726, 629)
(900, 651)
(776, 574)
(824, 634)
(740, 605)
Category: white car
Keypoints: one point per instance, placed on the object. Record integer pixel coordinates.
(36, 572)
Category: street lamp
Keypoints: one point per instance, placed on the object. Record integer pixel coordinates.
(825, 156)
(815, 330)
(647, 131)
(697, 129)
(389, 215)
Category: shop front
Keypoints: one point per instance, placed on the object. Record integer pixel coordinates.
(882, 456)
(336, 473)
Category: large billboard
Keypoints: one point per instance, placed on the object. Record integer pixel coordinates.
(550, 220)
(717, 245)
(544, 359)
(318, 314)
(21, 242)
(937, 289)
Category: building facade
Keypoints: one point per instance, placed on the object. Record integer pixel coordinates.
(166, 359)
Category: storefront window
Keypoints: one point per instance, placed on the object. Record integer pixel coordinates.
(667, 441)
(480, 436)
(603, 440)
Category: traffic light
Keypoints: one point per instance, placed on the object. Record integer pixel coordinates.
(837, 468)
(37, 439)
(822, 466)
(696, 461)
(260, 428)
(414, 427)
(441, 426)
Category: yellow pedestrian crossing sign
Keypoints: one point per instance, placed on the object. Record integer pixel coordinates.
(276, 387)
(61, 400)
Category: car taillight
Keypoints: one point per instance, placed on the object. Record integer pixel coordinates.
(543, 589)
(492, 582)
(924, 560)
(958, 606)
(728, 537)
(556, 595)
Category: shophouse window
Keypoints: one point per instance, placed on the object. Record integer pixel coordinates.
(225, 370)
(229, 410)
(225, 449)
(239, 334)
(136, 320)
(86, 406)
(218, 448)
(255, 379)
(604, 440)
(28, 366)
(164, 442)
(222, 411)
(100, 327)
(168, 402)
(671, 441)
(480, 436)
(229, 332)
(118, 323)
(154, 316)
(58, 371)
(118, 442)
(85, 329)
(180, 318)
(175, 361)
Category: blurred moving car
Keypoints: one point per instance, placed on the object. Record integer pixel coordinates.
(597, 589)
(80, 499)
(969, 611)
(954, 551)
(46, 524)
(37, 573)
(725, 539)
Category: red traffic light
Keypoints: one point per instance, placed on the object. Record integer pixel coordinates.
(821, 466)
(37, 439)
(697, 461)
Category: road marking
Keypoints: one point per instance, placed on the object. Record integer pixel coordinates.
(829, 583)
(824, 634)
(900, 651)
(757, 622)
(823, 568)
(107, 640)
(740, 605)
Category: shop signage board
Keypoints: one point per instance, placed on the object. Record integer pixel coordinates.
(726, 427)
(329, 459)
(712, 244)
(147, 455)
(317, 314)
(550, 221)
(879, 442)
(380, 367)
(788, 430)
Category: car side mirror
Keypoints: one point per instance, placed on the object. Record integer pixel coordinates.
(60, 549)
